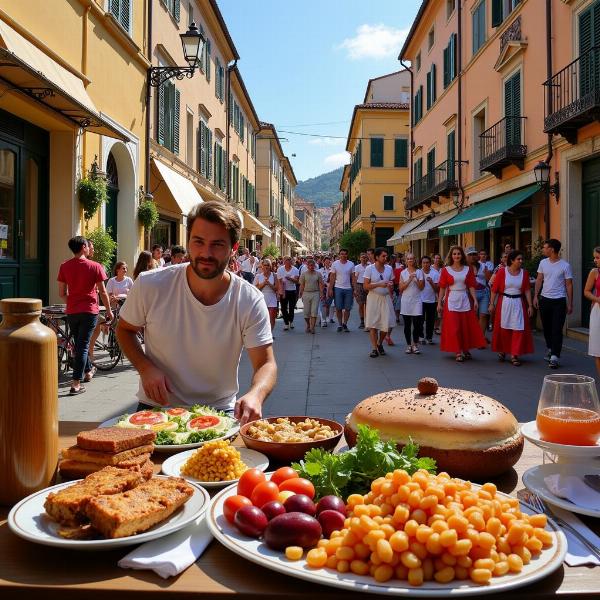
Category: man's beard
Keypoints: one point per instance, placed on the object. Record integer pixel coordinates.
(209, 269)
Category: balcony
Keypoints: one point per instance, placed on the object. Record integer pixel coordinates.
(440, 182)
(296, 233)
(573, 96)
(502, 145)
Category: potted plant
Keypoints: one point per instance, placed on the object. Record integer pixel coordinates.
(92, 194)
(271, 251)
(105, 247)
(147, 215)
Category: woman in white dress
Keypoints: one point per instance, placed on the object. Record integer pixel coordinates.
(266, 281)
(411, 285)
(592, 293)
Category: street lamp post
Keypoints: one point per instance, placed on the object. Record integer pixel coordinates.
(192, 42)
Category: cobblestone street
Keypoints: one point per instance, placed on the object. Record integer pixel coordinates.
(328, 373)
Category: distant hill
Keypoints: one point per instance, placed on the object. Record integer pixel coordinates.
(323, 190)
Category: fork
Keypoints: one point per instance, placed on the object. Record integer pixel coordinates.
(535, 502)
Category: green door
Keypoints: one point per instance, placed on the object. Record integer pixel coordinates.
(591, 226)
(10, 157)
(382, 235)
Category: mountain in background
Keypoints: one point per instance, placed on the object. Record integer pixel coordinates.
(323, 190)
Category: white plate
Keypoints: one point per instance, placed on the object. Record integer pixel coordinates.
(257, 552)
(251, 458)
(533, 479)
(231, 433)
(530, 431)
(28, 520)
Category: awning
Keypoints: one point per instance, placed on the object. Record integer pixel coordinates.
(288, 236)
(183, 190)
(301, 246)
(253, 224)
(420, 232)
(408, 226)
(25, 68)
(487, 214)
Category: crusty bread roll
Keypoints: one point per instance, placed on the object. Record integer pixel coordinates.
(469, 435)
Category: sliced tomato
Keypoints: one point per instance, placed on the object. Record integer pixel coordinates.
(204, 422)
(177, 412)
(147, 417)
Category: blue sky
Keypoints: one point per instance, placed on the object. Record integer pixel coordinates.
(306, 63)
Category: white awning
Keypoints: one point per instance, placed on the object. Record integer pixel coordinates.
(301, 246)
(420, 232)
(183, 190)
(25, 68)
(253, 224)
(397, 238)
(288, 236)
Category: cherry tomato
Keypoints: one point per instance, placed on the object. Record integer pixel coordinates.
(283, 474)
(233, 504)
(248, 481)
(299, 485)
(263, 493)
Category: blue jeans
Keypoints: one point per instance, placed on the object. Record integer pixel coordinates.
(483, 300)
(343, 298)
(81, 326)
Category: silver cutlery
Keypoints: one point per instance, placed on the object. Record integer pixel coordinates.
(592, 481)
(534, 502)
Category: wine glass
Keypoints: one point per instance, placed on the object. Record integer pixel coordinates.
(568, 410)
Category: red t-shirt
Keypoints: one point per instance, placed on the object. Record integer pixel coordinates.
(81, 276)
(397, 272)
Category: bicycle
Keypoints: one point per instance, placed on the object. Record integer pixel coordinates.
(107, 352)
(52, 316)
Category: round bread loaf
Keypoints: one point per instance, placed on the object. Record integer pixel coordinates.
(469, 435)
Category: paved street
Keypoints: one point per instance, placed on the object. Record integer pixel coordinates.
(328, 373)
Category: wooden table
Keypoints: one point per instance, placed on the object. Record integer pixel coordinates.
(35, 571)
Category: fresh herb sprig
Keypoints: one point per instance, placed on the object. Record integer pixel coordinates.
(353, 471)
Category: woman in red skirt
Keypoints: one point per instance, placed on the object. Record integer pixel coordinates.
(512, 332)
(461, 330)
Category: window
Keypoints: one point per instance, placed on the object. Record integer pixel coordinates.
(121, 11)
(451, 155)
(589, 37)
(431, 87)
(501, 9)
(450, 6)
(377, 152)
(219, 80)
(450, 61)
(512, 109)
(168, 106)
(417, 169)
(205, 146)
(400, 152)
(235, 181)
(219, 166)
(478, 129)
(431, 166)
(431, 38)
(479, 32)
(356, 162)
(418, 62)
(388, 203)
(418, 106)
(173, 6)
(189, 139)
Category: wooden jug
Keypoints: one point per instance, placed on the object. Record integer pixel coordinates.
(28, 400)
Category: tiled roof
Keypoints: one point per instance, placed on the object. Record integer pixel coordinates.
(388, 105)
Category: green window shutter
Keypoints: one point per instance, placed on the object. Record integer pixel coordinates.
(429, 91)
(124, 14)
(231, 103)
(160, 115)
(400, 152)
(418, 169)
(207, 51)
(242, 127)
(452, 56)
(497, 12)
(431, 162)
(114, 8)
(420, 102)
(512, 108)
(176, 109)
(377, 152)
(450, 155)
(589, 34)
(388, 203)
(216, 163)
(209, 157)
(177, 10)
(433, 83)
(202, 148)
(446, 66)
(217, 78)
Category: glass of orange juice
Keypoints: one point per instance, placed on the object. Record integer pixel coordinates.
(569, 411)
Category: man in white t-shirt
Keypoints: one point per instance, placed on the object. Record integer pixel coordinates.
(249, 266)
(191, 355)
(341, 288)
(287, 277)
(359, 291)
(157, 255)
(555, 280)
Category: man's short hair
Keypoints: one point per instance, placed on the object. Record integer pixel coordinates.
(217, 212)
(554, 244)
(344, 250)
(379, 251)
(370, 249)
(77, 243)
(177, 250)
(425, 258)
(156, 247)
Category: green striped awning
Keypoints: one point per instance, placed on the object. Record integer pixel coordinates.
(487, 214)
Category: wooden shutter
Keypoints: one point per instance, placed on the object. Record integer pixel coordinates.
(242, 127)
(177, 10)
(209, 154)
(429, 91)
(589, 36)
(202, 148)
(433, 83)
(377, 152)
(400, 152)
(512, 108)
(114, 8)
(388, 203)
(160, 115)
(452, 58)
(450, 155)
(418, 169)
(497, 12)
(207, 51)
(446, 66)
(217, 77)
(176, 108)
(124, 13)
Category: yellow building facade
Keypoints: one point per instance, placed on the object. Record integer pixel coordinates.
(71, 92)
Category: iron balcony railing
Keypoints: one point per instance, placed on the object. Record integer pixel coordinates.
(502, 145)
(296, 233)
(573, 96)
(439, 182)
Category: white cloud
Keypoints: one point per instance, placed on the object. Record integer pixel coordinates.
(327, 141)
(337, 160)
(374, 41)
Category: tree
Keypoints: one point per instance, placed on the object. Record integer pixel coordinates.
(104, 247)
(270, 251)
(355, 242)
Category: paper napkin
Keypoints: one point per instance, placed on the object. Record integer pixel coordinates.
(172, 554)
(574, 489)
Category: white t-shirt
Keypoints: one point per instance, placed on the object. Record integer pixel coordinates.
(480, 277)
(198, 347)
(268, 293)
(374, 276)
(428, 293)
(288, 285)
(359, 271)
(248, 266)
(343, 273)
(119, 288)
(555, 274)
(325, 274)
(411, 302)
(160, 261)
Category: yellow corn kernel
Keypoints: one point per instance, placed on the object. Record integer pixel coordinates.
(294, 552)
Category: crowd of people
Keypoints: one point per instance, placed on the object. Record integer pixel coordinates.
(465, 299)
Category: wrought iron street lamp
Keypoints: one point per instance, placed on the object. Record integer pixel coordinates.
(373, 219)
(192, 42)
(542, 178)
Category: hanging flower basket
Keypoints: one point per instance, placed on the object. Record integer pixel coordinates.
(92, 194)
(148, 214)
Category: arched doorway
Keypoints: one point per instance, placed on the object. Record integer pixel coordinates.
(112, 207)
